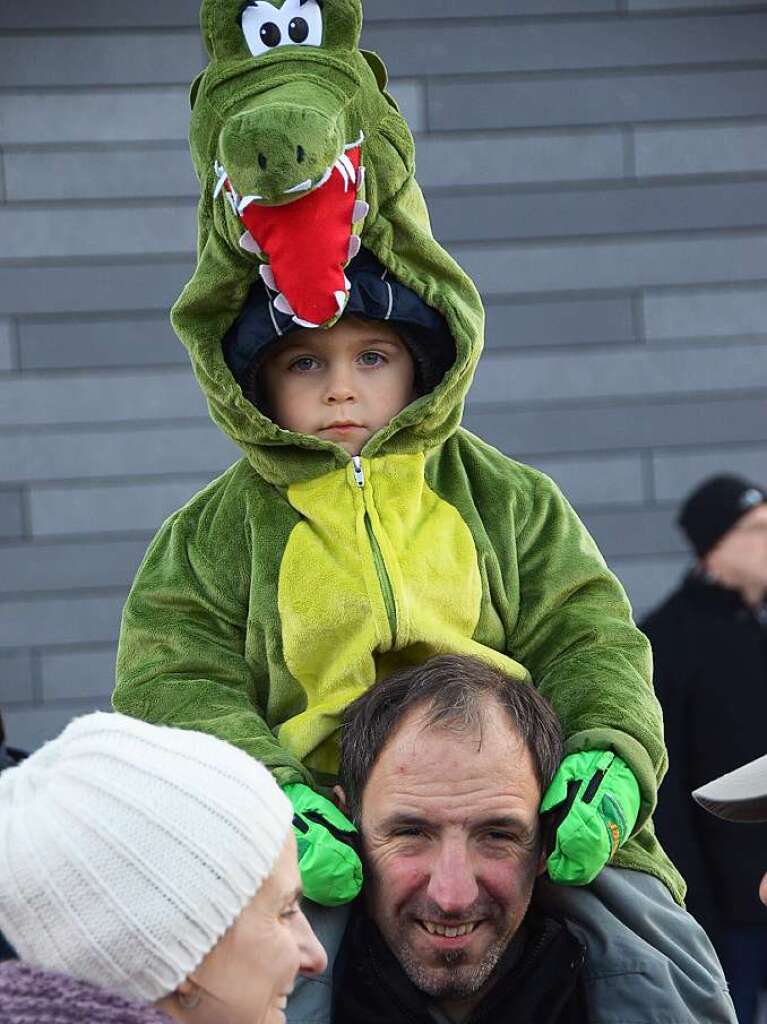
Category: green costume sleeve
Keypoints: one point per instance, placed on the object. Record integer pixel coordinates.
(180, 658)
(576, 635)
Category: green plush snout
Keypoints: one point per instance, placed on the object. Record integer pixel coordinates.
(278, 151)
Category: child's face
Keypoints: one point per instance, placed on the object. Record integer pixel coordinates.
(341, 384)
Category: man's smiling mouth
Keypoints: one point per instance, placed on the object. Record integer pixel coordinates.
(449, 931)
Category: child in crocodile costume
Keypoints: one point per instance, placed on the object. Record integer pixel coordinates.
(288, 585)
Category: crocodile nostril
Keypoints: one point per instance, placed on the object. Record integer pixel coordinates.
(300, 154)
(262, 161)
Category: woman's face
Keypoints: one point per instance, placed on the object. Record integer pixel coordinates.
(249, 974)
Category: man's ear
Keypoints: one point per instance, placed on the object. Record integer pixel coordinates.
(339, 799)
(542, 862)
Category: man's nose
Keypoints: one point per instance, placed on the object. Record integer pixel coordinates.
(452, 884)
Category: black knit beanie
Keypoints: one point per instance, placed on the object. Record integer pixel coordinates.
(715, 506)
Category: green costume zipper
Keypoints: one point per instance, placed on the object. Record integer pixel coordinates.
(378, 559)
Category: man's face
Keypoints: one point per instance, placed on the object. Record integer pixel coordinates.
(739, 560)
(342, 384)
(452, 845)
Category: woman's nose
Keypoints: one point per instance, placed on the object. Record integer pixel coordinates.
(314, 959)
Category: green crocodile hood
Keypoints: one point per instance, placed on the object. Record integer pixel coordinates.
(289, 95)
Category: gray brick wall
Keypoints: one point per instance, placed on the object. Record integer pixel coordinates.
(600, 166)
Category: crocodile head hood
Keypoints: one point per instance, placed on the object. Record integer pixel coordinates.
(302, 157)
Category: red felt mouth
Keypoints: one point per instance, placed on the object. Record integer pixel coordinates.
(308, 242)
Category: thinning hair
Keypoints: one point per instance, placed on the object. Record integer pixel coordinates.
(454, 692)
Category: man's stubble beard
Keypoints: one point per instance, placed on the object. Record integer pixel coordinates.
(451, 980)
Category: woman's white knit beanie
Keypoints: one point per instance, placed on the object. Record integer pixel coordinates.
(128, 849)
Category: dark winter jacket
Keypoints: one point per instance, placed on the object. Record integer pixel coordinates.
(710, 655)
(29, 995)
(538, 980)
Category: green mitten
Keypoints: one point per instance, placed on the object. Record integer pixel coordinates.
(594, 802)
(331, 869)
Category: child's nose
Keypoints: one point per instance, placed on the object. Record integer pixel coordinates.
(340, 388)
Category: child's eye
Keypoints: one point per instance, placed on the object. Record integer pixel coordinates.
(303, 364)
(372, 358)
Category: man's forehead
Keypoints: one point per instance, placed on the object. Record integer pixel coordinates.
(490, 732)
(486, 766)
(756, 517)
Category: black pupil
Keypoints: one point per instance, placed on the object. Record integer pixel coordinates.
(298, 30)
(270, 34)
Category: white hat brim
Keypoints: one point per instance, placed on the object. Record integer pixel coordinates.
(740, 795)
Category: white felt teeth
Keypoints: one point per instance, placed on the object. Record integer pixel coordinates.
(221, 178)
(348, 283)
(325, 177)
(355, 244)
(245, 202)
(302, 186)
(346, 167)
(353, 145)
(303, 323)
(249, 244)
(282, 305)
(232, 197)
(361, 210)
(360, 178)
(341, 300)
(267, 276)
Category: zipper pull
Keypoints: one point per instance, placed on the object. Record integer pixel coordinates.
(359, 475)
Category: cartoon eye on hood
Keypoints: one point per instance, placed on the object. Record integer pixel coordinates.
(296, 23)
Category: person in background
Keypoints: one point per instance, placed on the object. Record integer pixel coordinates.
(709, 640)
(148, 875)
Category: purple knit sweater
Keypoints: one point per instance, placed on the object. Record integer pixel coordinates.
(31, 996)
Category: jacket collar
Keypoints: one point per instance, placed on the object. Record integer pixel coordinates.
(535, 980)
(719, 600)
